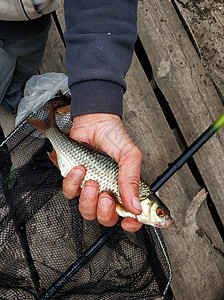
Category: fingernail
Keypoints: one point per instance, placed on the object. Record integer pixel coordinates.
(105, 203)
(136, 203)
(77, 175)
(90, 191)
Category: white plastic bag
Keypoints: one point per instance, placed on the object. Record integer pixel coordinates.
(38, 90)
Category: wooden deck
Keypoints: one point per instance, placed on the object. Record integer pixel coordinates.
(175, 91)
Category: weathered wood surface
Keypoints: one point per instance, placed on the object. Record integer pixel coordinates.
(186, 86)
(7, 121)
(60, 15)
(193, 243)
(192, 97)
(205, 20)
(189, 246)
(53, 60)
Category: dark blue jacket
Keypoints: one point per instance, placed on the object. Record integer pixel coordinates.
(100, 36)
(99, 39)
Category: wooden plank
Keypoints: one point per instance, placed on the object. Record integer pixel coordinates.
(205, 20)
(187, 87)
(7, 121)
(189, 247)
(60, 15)
(53, 60)
(144, 121)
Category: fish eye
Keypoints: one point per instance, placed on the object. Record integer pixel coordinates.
(160, 212)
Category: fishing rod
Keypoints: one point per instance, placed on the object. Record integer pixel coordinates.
(170, 171)
(188, 153)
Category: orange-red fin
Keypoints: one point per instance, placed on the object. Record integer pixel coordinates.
(40, 125)
(53, 157)
(43, 126)
(51, 117)
(63, 110)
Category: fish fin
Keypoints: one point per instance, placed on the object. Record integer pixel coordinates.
(63, 110)
(40, 125)
(51, 121)
(53, 157)
(43, 126)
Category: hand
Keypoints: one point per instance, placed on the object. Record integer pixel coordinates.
(106, 132)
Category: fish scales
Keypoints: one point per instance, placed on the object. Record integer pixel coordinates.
(101, 168)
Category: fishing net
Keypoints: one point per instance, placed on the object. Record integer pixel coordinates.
(42, 233)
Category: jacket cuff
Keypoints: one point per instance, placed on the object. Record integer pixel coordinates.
(96, 97)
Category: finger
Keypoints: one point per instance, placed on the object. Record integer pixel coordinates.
(72, 182)
(130, 225)
(106, 213)
(79, 134)
(128, 180)
(88, 200)
(83, 128)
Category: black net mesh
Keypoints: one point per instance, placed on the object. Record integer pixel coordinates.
(42, 233)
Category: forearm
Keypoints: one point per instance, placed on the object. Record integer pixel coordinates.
(99, 38)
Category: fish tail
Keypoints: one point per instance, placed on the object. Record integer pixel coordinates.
(44, 126)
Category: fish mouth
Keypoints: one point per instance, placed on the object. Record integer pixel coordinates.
(166, 224)
(158, 226)
(169, 223)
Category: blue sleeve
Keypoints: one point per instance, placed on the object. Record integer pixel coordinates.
(100, 37)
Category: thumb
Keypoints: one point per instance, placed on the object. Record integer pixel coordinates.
(128, 179)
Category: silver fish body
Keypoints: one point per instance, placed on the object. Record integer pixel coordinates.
(104, 170)
(99, 167)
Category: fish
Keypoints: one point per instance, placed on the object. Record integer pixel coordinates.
(100, 167)
(61, 103)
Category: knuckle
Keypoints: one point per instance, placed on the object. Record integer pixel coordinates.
(131, 179)
(139, 154)
(130, 150)
(69, 195)
(91, 183)
(107, 222)
(130, 225)
(77, 176)
(121, 181)
(88, 216)
(87, 206)
(87, 212)
(106, 213)
(68, 192)
(132, 158)
(90, 189)
(136, 154)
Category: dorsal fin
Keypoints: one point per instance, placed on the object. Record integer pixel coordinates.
(43, 126)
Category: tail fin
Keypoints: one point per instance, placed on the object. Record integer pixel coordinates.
(43, 126)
